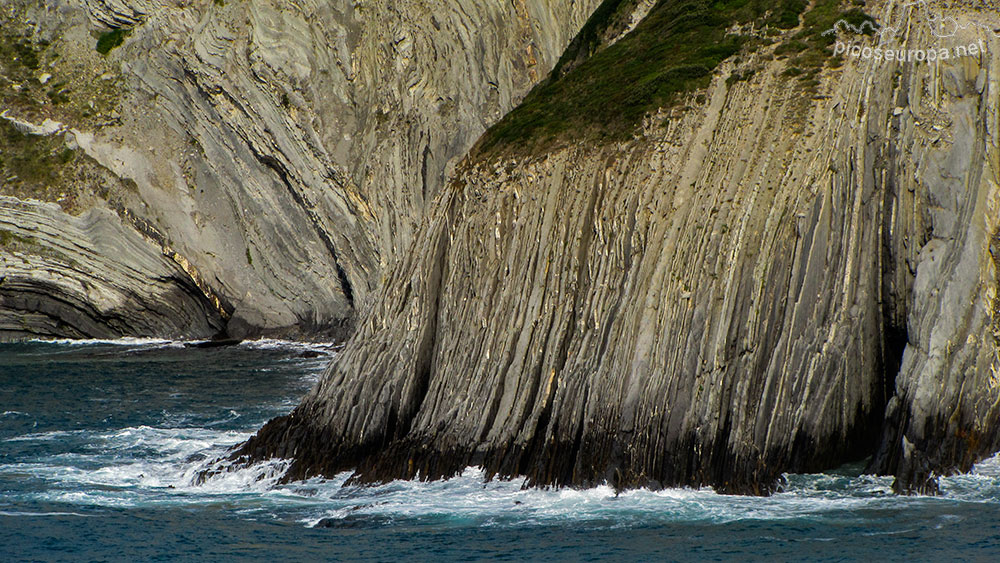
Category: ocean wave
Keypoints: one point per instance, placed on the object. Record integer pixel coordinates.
(149, 466)
(276, 344)
(174, 459)
(259, 344)
(47, 436)
(469, 498)
(24, 513)
(134, 456)
(125, 341)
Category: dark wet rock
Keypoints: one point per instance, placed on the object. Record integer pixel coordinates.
(92, 276)
(353, 521)
(770, 282)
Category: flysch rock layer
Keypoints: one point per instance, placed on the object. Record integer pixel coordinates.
(287, 150)
(92, 276)
(735, 296)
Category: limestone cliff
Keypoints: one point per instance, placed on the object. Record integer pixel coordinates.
(282, 151)
(765, 258)
(92, 276)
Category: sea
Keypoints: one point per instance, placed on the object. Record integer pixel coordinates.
(100, 443)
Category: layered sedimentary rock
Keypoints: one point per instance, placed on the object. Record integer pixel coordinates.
(285, 151)
(74, 276)
(771, 275)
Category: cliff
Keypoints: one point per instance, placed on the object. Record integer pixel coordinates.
(281, 152)
(704, 252)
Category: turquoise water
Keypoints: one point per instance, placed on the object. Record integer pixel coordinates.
(99, 444)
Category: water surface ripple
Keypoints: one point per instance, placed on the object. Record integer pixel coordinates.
(100, 443)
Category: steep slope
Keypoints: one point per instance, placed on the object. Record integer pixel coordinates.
(730, 280)
(284, 151)
(73, 275)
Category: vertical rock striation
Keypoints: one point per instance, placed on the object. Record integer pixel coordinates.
(768, 276)
(286, 151)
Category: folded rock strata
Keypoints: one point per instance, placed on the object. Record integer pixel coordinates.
(92, 276)
(286, 151)
(771, 279)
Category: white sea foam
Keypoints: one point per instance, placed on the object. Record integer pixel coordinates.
(141, 456)
(171, 460)
(258, 478)
(467, 497)
(127, 341)
(988, 467)
(144, 465)
(260, 344)
(275, 344)
(982, 484)
(22, 513)
(46, 436)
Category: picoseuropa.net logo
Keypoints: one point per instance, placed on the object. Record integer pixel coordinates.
(867, 52)
(873, 41)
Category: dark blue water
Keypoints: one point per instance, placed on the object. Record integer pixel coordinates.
(99, 444)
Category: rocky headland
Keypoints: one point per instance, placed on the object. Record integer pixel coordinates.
(284, 152)
(782, 262)
(649, 243)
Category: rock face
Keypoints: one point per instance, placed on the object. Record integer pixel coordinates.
(778, 276)
(286, 152)
(74, 274)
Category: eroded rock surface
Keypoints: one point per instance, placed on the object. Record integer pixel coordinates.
(92, 276)
(738, 291)
(285, 150)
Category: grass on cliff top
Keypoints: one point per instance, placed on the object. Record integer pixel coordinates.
(809, 50)
(76, 92)
(602, 93)
(29, 163)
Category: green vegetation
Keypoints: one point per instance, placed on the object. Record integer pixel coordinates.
(20, 59)
(14, 242)
(29, 159)
(58, 93)
(810, 50)
(36, 84)
(71, 93)
(38, 167)
(609, 19)
(20, 51)
(10, 240)
(606, 91)
(600, 93)
(735, 77)
(786, 14)
(108, 41)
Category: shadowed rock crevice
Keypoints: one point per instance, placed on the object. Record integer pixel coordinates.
(94, 276)
(288, 152)
(779, 276)
(945, 412)
(300, 199)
